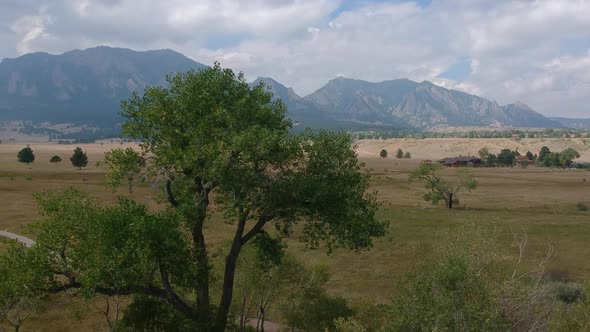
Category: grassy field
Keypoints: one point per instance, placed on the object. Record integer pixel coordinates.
(540, 201)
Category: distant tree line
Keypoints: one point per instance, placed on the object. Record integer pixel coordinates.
(545, 158)
(512, 133)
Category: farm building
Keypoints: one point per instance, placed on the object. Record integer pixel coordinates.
(461, 162)
(524, 161)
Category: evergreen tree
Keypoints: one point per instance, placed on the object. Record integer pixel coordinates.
(407, 155)
(26, 155)
(79, 158)
(399, 154)
(383, 153)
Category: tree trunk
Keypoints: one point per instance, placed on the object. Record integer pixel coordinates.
(130, 186)
(202, 257)
(230, 271)
(450, 204)
(202, 287)
(228, 283)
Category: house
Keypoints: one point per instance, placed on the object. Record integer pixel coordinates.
(524, 161)
(461, 161)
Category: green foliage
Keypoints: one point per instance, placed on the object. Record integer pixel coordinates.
(399, 154)
(439, 189)
(507, 157)
(109, 248)
(349, 324)
(571, 316)
(567, 156)
(581, 207)
(154, 314)
(451, 289)
(484, 153)
(79, 158)
(122, 164)
(23, 278)
(312, 309)
(407, 155)
(55, 159)
(553, 159)
(383, 153)
(26, 155)
(569, 292)
(210, 139)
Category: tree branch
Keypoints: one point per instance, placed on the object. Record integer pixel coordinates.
(262, 220)
(168, 188)
(172, 297)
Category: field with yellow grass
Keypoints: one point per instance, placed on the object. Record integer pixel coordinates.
(539, 201)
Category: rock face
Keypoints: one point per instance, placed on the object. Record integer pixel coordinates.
(419, 105)
(85, 86)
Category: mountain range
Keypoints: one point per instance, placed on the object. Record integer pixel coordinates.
(86, 86)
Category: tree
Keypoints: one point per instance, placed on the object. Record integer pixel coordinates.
(484, 153)
(506, 157)
(439, 188)
(567, 156)
(399, 154)
(55, 159)
(212, 137)
(79, 158)
(122, 164)
(543, 153)
(26, 155)
(383, 153)
(491, 160)
(21, 283)
(407, 155)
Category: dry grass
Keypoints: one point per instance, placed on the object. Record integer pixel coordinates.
(540, 201)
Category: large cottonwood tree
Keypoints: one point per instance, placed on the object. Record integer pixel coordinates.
(220, 148)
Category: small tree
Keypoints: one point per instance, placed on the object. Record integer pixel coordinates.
(55, 159)
(439, 188)
(484, 153)
(122, 163)
(383, 153)
(26, 155)
(399, 154)
(407, 155)
(79, 158)
(567, 156)
(507, 157)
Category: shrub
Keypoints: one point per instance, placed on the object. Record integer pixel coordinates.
(569, 292)
(581, 207)
(452, 289)
(55, 159)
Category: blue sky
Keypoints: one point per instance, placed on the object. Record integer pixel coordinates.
(536, 52)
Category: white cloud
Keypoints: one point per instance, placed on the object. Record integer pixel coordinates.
(533, 51)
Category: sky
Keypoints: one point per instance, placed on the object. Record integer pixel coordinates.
(536, 52)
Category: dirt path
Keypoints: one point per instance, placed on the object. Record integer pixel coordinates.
(22, 239)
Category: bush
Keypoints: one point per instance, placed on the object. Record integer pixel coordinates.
(570, 292)
(152, 314)
(581, 207)
(55, 159)
(453, 289)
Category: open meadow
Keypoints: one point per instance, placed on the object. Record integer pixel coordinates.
(539, 201)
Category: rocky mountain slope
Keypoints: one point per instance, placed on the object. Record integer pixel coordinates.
(79, 85)
(87, 86)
